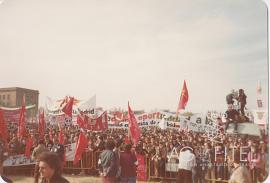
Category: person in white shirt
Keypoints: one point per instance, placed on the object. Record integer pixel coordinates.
(187, 161)
(240, 173)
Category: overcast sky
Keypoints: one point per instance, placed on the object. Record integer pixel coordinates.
(139, 51)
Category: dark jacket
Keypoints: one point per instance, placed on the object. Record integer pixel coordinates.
(242, 99)
(59, 149)
(230, 115)
(127, 163)
(108, 163)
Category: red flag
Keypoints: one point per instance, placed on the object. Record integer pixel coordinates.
(28, 147)
(67, 109)
(3, 126)
(127, 140)
(60, 136)
(118, 116)
(133, 126)
(81, 120)
(51, 134)
(184, 98)
(102, 122)
(41, 124)
(80, 148)
(21, 126)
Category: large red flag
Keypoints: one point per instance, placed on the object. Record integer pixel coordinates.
(3, 126)
(41, 124)
(134, 129)
(21, 126)
(67, 109)
(28, 147)
(184, 98)
(80, 148)
(82, 119)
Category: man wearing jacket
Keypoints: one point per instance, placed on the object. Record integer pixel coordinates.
(128, 163)
(108, 163)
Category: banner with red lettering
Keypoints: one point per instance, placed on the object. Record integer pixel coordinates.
(13, 114)
(141, 169)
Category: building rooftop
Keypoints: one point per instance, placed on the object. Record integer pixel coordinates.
(17, 88)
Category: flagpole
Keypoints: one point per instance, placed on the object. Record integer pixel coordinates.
(128, 126)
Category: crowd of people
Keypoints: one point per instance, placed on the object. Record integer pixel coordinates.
(199, 159)
(213, 158)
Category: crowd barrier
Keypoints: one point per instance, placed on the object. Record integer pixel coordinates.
(167, 172)
(26, 170)
(88, 165)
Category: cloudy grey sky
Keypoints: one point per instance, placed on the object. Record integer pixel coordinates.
(139, 51)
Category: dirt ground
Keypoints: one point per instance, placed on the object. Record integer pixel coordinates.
(72, 179)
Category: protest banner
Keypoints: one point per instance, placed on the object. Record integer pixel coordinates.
(13, 114)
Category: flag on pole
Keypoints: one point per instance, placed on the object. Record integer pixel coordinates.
(41, 124)
(67, 109)
(3, 126)
(60, 135)
(51, 134)
(183, 99)
(28, 147)
(81, 120)
(127, 140)
(80, 148)
(134, 129)
(21, 126)
(102, 122)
